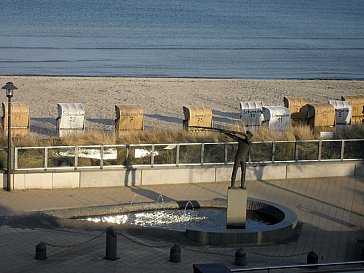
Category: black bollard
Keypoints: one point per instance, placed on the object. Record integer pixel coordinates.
(175, 254)
(111, 244)
(312, 258)
(41, 251)
(240, 257)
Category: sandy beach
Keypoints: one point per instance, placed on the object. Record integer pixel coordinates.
(161, 98)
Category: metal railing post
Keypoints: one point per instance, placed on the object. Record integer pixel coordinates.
(296, 151)
(250, 156)
(342, 150)
(45, 158)
(226, 153)
(177, 155)
(127, 155)
(319, 150)
(102, 157)
(152, 156)
(273, 150)
(202, 152)
(76, 157)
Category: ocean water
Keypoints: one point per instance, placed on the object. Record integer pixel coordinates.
(269, 39)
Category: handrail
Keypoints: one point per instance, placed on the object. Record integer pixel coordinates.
(190, 143)
(178, 154)
(268, 268)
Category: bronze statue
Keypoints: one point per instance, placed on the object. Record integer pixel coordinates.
(242, 154)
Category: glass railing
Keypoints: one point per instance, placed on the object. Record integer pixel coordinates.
(106, 156)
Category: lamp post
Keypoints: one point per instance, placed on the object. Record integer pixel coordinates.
(9, 87)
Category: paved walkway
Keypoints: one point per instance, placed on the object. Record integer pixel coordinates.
(330, 211)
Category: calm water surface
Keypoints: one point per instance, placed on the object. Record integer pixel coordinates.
(191, 38)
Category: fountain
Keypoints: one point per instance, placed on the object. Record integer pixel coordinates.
(203, 222)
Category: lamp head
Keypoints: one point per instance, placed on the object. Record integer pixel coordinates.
(9, 87)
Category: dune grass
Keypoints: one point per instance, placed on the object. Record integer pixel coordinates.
(158, 135)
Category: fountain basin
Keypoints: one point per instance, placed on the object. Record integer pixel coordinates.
(266, 234)
(281, 230)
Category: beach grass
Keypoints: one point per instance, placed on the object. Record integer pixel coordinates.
(159, 135)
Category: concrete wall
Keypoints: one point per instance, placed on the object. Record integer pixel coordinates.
(176, 175)
(109, 178)
(320, 170)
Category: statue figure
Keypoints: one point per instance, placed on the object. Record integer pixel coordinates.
(242, 154)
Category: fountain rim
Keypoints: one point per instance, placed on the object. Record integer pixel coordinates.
(65, 219)
(74, 213)
(270, 234)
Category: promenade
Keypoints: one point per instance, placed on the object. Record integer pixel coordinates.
(330, 212)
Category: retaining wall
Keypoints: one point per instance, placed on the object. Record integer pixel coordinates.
(84, 178)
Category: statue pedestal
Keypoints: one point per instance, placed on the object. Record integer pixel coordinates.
(237, 206)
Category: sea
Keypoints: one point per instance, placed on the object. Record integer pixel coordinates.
(239, 39)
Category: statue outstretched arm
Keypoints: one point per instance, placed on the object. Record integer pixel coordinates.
(233, 136)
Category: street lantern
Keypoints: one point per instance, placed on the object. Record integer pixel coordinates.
(9, 87)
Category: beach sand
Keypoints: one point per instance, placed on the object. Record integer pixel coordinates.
(161, 98)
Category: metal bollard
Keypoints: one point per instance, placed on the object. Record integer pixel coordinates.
(240, 257)
(41, 251)
(175, 254)
(111, 244)
(312, 258)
